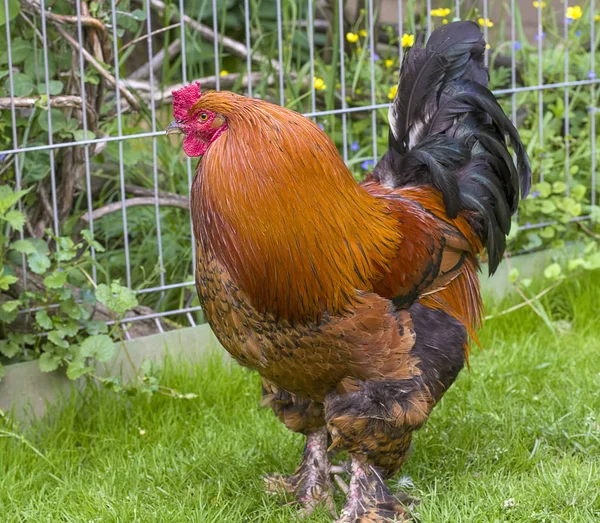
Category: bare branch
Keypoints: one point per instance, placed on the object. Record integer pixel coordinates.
(143, 71)
(30, 101)
(145, 37)
(103, 72)
(174, 200)
(233, 46)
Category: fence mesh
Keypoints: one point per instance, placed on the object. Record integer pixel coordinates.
(86, 92)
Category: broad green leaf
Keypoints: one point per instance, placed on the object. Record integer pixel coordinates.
(14, 8)
(22, 84)
(578, 192)
(16, 219)
(43, 320)
(116, 297)
(56, 87)
(547, 232)
(22, 338)
(72, 309)
(67, 327)
(24, 246)
(10, 305)
(48, 362)
(544, 188)
(8, 197)
(553, 271)
(79, 135)
(59, 121)
(513, 275)
(9, 348)
(57, 338)
(55, 279)
(96, 327)
(38, 263)
(6, 280)
(99, 346)
(78, 368)
(548, 207)
(559, 187)
(139, 15)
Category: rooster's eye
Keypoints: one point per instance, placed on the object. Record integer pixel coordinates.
(203, 117)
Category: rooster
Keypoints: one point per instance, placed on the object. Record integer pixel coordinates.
(354, 302)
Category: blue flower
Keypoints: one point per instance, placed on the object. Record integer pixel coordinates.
(535, 194)
(568, 21)
(591, 75)
(517, 46)
(367, 164)
(2, 157)
(354, 146)
(578, 34)
(540, 36)
(375, 57)
(321, 126)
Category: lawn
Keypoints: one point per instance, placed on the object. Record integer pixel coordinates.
(516, 439)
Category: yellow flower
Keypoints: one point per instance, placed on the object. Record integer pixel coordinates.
(445, 21)
(319, 84)
(352, 37)
(488, 46)
(536, 4)
(348, 99)
(223, 72)
(392, 92)
(597, 18)
(440, 12)
(389, 63)
(363, 33)
(408, 40)
(338, 86)
(574, 12)
(485, 22)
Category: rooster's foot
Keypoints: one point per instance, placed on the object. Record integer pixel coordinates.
(311, 483)
(369, 500)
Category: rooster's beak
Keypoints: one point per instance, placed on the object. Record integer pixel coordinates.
(173, 128)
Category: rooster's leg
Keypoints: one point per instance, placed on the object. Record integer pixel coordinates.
(311, 483)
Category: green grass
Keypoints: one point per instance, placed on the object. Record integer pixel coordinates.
(523, 425)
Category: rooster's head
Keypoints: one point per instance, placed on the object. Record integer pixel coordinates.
(200, 125)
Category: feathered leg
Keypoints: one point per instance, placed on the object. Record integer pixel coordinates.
(311, 483)
(375, 422)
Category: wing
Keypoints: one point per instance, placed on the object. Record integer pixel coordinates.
(436, 262)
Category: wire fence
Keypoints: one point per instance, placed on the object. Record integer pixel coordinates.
(100, 158)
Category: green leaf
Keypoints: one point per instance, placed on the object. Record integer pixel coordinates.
(71, 309)
(116, 297)
(8, 197)
(513, 275)
(592, 262)
(67, 327)
(11, 305)
(96, 327)
(578, 192)
(14, 8)
(43, 320)
(548, 207)
(59, 121)
(2, 371)
(48, 362)
(56, 337)
(38, 263)
(23, 246)
(6, 280)
(56, 87)
(547, 232)
(9, 348)
(79, 135)
(99, 346)
(78, 368)
(545, 189)
(559, 187)
(139, 15)
(55, 279)
(553, 271)
(16, 219)
(22, 84)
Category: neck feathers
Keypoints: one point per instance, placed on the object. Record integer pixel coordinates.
(274, 202)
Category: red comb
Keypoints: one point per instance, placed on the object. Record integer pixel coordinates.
(184, 99)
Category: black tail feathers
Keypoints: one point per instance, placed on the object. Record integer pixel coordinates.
(447, 130)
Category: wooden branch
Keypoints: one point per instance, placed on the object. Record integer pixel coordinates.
(143, 71)
(233, 46)
(145, 37)
(131, 99)
(174, 200)
(87, 21)
(30, 101)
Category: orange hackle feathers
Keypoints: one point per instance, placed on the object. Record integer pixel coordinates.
(258, 202)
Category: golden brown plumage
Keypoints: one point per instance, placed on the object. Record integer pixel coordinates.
(355, 302)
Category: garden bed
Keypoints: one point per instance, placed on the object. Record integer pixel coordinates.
(515, 439)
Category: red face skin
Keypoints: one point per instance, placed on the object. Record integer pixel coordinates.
(198, 126)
